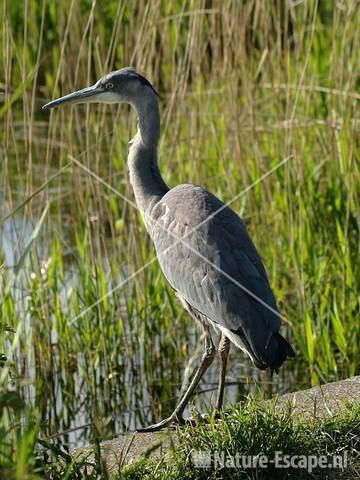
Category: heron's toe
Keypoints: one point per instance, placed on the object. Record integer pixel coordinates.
(197, 418)
(171, 421)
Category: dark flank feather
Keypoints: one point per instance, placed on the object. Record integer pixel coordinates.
(224, 241)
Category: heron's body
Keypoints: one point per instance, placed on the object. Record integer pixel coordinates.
(214, 242)
(202, 245)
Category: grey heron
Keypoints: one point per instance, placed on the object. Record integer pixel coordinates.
(202, 245)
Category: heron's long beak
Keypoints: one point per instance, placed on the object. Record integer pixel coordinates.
(86, 95)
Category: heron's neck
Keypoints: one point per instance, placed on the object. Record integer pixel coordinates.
(145, 177)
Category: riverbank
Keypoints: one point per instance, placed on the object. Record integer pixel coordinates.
(323, 420)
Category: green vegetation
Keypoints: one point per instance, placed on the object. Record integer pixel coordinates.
(250, 430)
(244, 86)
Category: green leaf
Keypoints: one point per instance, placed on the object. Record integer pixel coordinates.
(11, 400)
(17, 94)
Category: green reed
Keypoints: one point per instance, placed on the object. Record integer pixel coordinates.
(243, 86)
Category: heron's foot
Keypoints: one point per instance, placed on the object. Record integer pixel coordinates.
(173, 420)
(197, 418)
(206, 418)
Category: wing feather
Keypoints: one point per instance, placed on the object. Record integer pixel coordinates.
(210, 263)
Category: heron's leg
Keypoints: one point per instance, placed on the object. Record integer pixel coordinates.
(224, 347)
(206, 361)
(176, 416)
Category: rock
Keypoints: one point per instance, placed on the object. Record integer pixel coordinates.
(323, 400)
(128, 448)
(316, 402)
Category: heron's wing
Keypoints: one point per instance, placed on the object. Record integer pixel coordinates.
(215, 267)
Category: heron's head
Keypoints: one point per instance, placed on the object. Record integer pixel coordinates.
(125, 85)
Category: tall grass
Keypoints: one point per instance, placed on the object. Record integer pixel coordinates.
(243, 86)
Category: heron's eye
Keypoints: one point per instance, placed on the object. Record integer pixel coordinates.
(109, 86)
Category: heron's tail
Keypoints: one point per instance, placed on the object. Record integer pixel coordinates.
(270, 353)
(277, 350)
